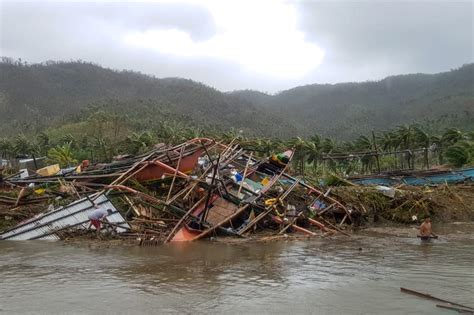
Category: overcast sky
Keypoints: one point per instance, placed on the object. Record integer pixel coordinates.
(263, 45)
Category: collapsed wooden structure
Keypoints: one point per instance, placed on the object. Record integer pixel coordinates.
(203, 188)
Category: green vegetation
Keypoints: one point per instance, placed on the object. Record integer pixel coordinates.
(70, 111)
(62, 155)
(100, 137)
(345, 110)
(36, 97)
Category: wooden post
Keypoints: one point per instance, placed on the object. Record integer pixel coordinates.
(34, 161)
(376, 152)
(427, 161)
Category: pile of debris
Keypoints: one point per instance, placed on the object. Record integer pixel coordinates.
(409, 204)
(194, 190)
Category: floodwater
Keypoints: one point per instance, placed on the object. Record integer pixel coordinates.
(358, 275)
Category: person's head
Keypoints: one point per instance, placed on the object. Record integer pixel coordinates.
(109, 211)
(427, 219)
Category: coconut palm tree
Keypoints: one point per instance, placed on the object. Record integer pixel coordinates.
(42, 139)
(6, 148)
(364, 144)
(441, 142)
(453, 135)
(299, 145)
(23, 146)
(312, 154)
(405, 139)
(460, 153)
(423, 139)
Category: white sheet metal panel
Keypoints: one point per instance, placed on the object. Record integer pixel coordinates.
(74, 215)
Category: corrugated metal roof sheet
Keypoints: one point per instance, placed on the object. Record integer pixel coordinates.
(74, 215)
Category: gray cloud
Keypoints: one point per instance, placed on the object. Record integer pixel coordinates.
(362, 40)
(373, 39)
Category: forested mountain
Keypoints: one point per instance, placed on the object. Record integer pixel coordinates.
(346, 110)
(34, 97)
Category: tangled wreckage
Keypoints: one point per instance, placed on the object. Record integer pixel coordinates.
(198, 189)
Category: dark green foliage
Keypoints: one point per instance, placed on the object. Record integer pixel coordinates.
(33, 97)
(347, 110)
(460, 153)
(37, 96)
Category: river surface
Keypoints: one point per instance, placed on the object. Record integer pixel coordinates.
(358, 275)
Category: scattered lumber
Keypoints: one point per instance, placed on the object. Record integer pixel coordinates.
(197, 189)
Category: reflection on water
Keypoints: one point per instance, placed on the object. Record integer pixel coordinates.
(358, 275)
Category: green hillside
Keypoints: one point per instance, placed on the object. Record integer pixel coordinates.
(33, 97)
(346, 110)
(53, 94)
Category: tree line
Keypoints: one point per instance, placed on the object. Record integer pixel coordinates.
(102, 136)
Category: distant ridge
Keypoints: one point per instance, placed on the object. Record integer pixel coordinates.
(33, 97)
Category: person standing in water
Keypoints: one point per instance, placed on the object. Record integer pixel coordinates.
(425, 230)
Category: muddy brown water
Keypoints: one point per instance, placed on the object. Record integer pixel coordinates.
(358, 275)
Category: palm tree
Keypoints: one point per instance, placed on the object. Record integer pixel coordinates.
(299, 145)
(450, 137)
(405, 139)
(364, 144)
(42, 140)
(313, 152)
(22, 145)
(263, 146)
(453, 135)
(460, 153)
(386, 141)
(423, 139)
(6, 148)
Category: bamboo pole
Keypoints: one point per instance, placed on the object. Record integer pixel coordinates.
(430, 297)
(334, 227)
(296, 227)
(175, 173)
(244, 175)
